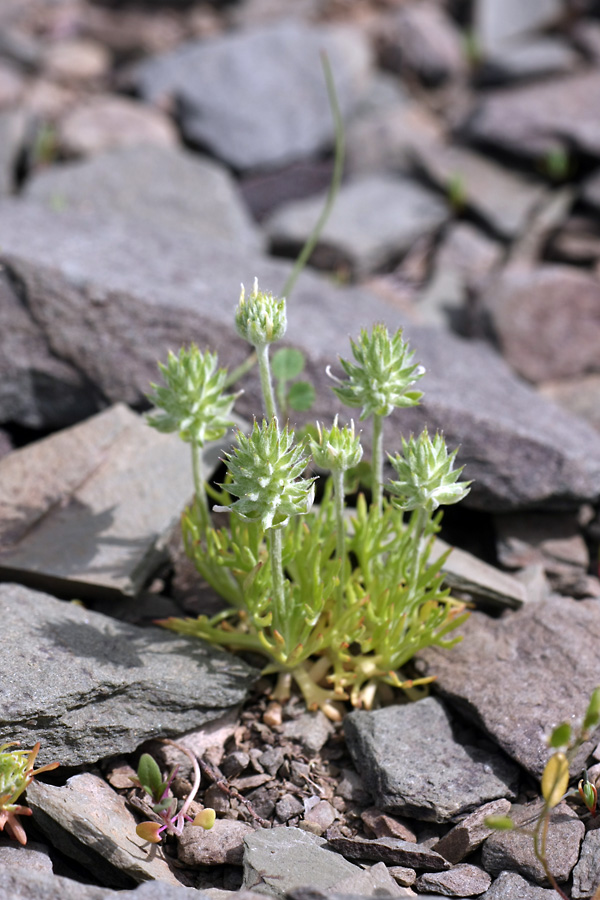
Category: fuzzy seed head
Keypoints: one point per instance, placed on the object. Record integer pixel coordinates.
(261, 318)
(266, 471)
(192, 401)
(426, 477)
(337, 448)
(380, 379)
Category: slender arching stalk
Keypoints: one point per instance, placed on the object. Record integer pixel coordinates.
(377, 462)
(199, 487)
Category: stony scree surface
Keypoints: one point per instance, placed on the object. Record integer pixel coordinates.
(413, 766)
(252, 116)
(524, 651)
(82, 672)
(586, 874)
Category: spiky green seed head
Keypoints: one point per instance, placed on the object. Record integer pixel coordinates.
(336, 448)
(192, 400)
(380, 379)
(260, 318)
(426, 474)
(266, 469)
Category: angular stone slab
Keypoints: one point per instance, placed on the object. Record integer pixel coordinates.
(514, 851)
(175, 189)
(461, 881)
(465, 572)
(375, 219)
(504, 200)
(413, 765)
(90, 686)
(25, 884)
(522, 674)
(533, 120)
(99, 523)
(390, 850)
(465, 837)
(254, 116)
(586, 874)
(90, 823)
(510, 885)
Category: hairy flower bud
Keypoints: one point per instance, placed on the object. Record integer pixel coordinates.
(261, 318)
(192, 402)
(384, 371)
(337, 448)
(266, 471)
(426, 477)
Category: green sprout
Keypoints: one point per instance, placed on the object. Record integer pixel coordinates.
(170, 819)
(555, 783)
(16, 773)
(337, 604)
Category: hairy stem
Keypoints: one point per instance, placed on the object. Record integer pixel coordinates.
(199, 488)
(275, 543)
(377, 463)
(340, 524)
(266, 382)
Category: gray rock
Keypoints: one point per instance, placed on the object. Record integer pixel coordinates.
(223, 843)
(465, 572)
(577, 241)
(519, 451)
(13, 129)
(375, 219)
(497, 22)
(372, 882)
(510, 885)
(586, 874)
(532, 58)
(423, 39)
(502, 198)
(389, 850)
(90, 823)
(383, 825)
(36, 389)
(33, 857)
(413, 765)
(110, 686)
(311, 729)
(514, 850)
(521, 692)
(580, 396)
(254, 116)
(279, 860)
(12, 85)
(176, 190)
(535, 120)
(546, 320)
(465, 837)
(93, 527)
(460, 881)
(106, 122)
(591, 190)
(25, 884)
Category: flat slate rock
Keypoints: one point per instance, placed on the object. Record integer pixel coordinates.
(99, 525)
(254, 116)
(510, 885)
(414, 765)
(514, 850)
(91, 824)
(461, 881)
(25, 884)
(534, 120)
(521, 692)
(586, 874)
(90, 686)
(470, 832)
(110, 300)
(375, 219)
(499, 22)
(546, 320)
(175, 189)
(389, 850)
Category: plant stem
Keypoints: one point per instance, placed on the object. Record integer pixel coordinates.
(377, 463)
(266, 383)
(241, 370)
(340, 524)
(540, 850)
(199, 489)
(275, 542)
(336, 180)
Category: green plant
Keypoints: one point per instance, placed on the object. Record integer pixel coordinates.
(338, 604)
(554, 786)
(170, 819)
(16, 773)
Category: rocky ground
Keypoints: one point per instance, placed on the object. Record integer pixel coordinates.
(152, 157)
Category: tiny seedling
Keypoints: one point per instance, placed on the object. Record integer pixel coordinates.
(170, 819)
(565, 742)
(16, 773)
